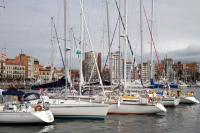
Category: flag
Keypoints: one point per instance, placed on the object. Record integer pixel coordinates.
(78, 52)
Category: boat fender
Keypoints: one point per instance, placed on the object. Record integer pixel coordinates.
(38, 108)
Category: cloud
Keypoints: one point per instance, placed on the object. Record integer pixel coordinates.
(25, 24)
(189, 54)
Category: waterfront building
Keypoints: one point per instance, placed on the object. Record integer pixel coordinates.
(26, 61)
(169, 71)
(58, 74)
(106, 74)
(191, 71)
(89, 67)
(13, 70)
(36, 70)
(179, 70)
(159, 71)
(116, 65)
(145, 71)
(129, 70)
(44, 74)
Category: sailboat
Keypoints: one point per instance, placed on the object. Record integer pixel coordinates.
(123, 104)
(21, 112)
(15, 113)
(66, 108)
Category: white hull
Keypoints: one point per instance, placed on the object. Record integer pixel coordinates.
(130, 108)
(77, 109)
(26, 117)
(188, 100)
(170, 101)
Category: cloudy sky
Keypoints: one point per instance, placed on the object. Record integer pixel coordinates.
(26, 25)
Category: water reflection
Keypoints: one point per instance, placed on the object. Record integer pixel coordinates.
(47, 129)
(26, 128)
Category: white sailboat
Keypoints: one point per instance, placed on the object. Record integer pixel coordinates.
(130, 105)
(65, 108)
(24, 114)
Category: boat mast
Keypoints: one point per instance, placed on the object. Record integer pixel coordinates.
(119, 71)
(152, 15)
(81, 45)
(65, 47)
(125, 40)
(141, 39)
(109, 44)
(52, 52)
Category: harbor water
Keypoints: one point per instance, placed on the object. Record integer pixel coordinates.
(182, 119)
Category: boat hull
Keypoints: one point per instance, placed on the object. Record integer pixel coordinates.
(128, 108)
(170, 102)
(76, 109)
(26, 117)
(188, 100)
(90, 111)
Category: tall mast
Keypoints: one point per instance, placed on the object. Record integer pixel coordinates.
(125, 40)
(152, 15)
(65, 46)
(141, 37)
(52, 51)
(81, 45)
(119, 74)
(109, 44)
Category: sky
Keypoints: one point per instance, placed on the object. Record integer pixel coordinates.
(25, 26)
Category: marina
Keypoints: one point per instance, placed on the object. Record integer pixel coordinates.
(183, 118)
(103, 67)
